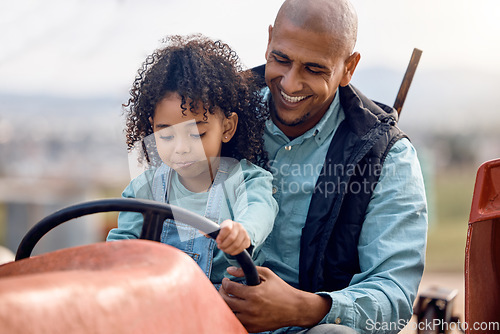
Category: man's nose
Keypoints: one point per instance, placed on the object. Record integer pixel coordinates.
(291, 82)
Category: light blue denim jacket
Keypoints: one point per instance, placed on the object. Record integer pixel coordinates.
(183, 236)
(241, 191)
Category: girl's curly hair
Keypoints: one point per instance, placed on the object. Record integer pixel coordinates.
(199, 70)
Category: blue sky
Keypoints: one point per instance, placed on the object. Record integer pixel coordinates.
(82, 48)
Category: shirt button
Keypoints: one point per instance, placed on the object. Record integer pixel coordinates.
(275, 190)
(288, 147)
(337, 321)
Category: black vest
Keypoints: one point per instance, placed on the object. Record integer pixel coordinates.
(328, 246)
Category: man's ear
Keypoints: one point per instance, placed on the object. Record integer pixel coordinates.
(270, 29)
(229, 125)
(350, 67)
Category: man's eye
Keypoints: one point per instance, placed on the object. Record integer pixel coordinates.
(310, 70)
(281, 60)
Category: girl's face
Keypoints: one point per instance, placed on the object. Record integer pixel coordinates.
(191, 144)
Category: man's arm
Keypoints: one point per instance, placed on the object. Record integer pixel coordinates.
(391, 250)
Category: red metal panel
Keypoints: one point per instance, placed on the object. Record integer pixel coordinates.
(132, 286)
(482, 253)
(486, 198)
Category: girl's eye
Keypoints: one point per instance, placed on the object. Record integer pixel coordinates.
(166, 138)
(197, 135)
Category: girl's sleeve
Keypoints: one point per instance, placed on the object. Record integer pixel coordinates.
(130, 223)
(254, 206)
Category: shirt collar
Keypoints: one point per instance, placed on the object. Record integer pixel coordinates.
(321, 131)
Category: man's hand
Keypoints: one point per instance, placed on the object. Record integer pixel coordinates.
(273, 303)
(232, 238)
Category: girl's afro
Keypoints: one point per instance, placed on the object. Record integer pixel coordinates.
(199, 70)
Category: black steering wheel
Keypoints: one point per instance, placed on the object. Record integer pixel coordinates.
(154, 214)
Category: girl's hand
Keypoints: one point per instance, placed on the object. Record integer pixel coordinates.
(232, 238)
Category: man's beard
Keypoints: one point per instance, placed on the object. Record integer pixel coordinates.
(295, 122)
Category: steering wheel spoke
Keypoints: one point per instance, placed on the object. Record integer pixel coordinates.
(153, 225)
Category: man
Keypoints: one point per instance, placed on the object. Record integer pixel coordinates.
(347, 249)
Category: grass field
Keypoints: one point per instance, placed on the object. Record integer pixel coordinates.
(450, 201)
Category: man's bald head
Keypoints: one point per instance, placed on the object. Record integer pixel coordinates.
(334, 17)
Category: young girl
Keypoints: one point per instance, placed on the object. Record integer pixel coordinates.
(200, 121)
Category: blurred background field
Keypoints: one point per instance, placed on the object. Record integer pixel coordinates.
(66, 67)
(450, 213)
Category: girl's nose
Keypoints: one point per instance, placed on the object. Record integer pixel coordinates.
(182, 146)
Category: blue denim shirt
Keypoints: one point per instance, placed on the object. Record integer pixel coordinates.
(295, 166)
(392, 241)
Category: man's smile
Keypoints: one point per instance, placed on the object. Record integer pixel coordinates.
(292, 99)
